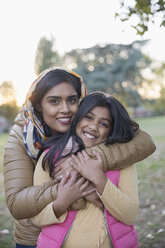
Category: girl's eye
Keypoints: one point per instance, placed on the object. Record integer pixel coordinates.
(104, 124)
(88, 117)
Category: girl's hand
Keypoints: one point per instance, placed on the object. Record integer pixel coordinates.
(70, 189)
(87, 166)
(90, 168)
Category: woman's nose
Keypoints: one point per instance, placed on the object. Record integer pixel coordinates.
(64, 107)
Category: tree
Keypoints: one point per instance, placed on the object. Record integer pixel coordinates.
(146, 11)
(7, 92)
(8, 107)
(115, 69)
(9, 110)
(45, 55)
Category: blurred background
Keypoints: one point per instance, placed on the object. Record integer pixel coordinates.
(118, 47)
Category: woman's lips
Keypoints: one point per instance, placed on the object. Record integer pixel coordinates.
(64, 120)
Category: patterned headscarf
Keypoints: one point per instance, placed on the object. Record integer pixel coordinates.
(33, 133)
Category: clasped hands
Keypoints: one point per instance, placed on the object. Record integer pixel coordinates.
(87, 169)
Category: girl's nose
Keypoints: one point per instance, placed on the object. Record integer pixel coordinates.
(93, 126)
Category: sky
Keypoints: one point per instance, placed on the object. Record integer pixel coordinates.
(73, 23)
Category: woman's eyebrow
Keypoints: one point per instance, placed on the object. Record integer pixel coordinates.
(73, 96)
(49, 97)
(58, 97)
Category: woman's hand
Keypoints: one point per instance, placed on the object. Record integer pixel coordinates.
(70, 189)
(90, 168)
(62, 168)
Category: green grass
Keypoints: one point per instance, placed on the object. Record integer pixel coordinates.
(150, 223)
(6, 240)
(151, 173)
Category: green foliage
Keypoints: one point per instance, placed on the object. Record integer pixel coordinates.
(45, 55)
(115, 69)
(7, 92)
(159, 106)
(8, 108)
(146, 10)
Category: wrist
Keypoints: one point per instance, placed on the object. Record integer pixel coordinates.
(58, 208)
(100, 182)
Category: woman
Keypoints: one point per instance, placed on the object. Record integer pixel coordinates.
(34, 124)
(99, 119)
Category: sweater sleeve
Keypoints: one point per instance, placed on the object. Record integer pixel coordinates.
(47, 215)
(22, 198)
(121, 155)
(123, 202)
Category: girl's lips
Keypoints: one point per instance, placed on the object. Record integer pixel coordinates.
(89, 135)
(64, 120)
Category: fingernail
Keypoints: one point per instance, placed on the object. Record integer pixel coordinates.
(67, 173)
(60, 176)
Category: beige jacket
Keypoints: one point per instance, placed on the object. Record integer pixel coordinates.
(25, 200)
(121, 202)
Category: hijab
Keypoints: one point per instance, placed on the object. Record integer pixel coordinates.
(34, 132)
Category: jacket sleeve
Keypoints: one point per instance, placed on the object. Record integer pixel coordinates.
(47, 215)
(23, 199)
(121, 155)
(123, 202)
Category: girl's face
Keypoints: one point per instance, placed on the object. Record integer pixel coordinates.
(59, 106)
(94, 128)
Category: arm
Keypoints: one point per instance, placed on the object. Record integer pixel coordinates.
(121, 202)
(68, 193)
(61, 169)
(117, 156)
(47, 215)
(23, 199)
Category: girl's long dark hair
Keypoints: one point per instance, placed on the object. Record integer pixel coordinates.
(122, 131)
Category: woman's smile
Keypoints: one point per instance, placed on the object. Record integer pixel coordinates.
(59, 107)
(65, 120)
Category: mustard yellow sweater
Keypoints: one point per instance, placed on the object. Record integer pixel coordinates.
(89, 228)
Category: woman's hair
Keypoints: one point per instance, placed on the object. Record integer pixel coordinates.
(50, 80)
(122, 130)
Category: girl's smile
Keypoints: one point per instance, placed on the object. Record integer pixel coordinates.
(95, 126)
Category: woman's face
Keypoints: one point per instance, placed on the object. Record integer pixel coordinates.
(59, 106)
(94, 128)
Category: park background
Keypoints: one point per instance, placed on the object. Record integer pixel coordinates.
(118, 47)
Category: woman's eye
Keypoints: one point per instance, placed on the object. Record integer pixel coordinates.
(54, 101)
(72, 100)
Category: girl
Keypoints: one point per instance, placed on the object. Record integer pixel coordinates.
(50, 105)
(99, 119)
